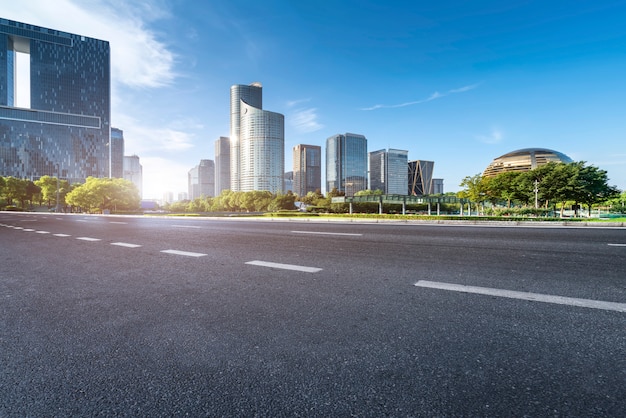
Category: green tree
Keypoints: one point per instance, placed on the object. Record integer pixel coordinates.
(283, 202)
(105, 194)
(592, 186)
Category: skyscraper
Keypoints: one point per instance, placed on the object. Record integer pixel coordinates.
(133, 171)
(222, 165)
(117, 153)
(346, 163)
(420, 177)
(201, 180)
(307, 169)
(388, 171)
(257, 142)
(64, 129)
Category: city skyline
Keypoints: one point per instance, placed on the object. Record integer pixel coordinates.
(453, 83)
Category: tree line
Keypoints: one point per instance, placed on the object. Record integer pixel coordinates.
(96, 194)
(546, 186)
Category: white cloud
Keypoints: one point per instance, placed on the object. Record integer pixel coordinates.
(305, 120)
(138, 58)
(494, 137)
(434, 96)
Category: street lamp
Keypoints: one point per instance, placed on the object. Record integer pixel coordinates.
(58, 207)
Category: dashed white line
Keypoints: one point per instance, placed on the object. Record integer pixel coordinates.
(42, 232)
(27, 229)
(88, 239)
(61, 235)
(617, 245)
(326, 233)
(125, 244)
(185, 253)
(284, 266)
(187, 226)
(118, 223)
(536, 297)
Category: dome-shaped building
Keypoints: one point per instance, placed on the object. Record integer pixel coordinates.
(524, 160)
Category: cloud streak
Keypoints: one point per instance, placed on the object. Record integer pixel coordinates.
(434, 96)
(495, 137)
(304, 120)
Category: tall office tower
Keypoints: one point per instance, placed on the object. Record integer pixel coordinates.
(257, 142)
(117, 153)
(201, 180)
(133, 171)
(420, 177)
(222, 165)
(288, 181)
(388, 171)
(346, 163)
(63, 128)
(307, 169)
(437, 186)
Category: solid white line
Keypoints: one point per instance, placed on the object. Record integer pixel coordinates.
(617, 245)
(88, 239)
(536, 297)
(187, 253)
(284, 266)
(186, 226)
(61, 235)
(326, 233)
(125, 244)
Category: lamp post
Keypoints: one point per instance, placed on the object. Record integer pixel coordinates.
(58, 207)
(536, 194)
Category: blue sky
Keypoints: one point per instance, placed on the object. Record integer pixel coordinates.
(456, 82)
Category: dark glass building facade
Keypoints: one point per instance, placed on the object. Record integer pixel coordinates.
(65, 129)
(388, 171)
(346, 163)
(421, 177)
(307, 169)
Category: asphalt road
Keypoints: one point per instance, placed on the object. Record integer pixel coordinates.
(124, 316)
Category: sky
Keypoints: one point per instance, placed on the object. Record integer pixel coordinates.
(455, 82)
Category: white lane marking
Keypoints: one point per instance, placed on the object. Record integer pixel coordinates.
(326, 233)
(284, 266)
(27, 229)
(42, 232)
(186, 253)
(125, 244)
(17, 227)
(119, 223)
(186, 226)
(88, 239)
(81, 220)
(536, 297)
(617, 245)
(61, 235)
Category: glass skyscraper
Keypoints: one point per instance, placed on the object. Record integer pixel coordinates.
(307, 169)
(117, 153)
(257, 142)
(346, 163)
(388, 171)
(201, 180)
(222, 165)
(420, 177)
(64, 130)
